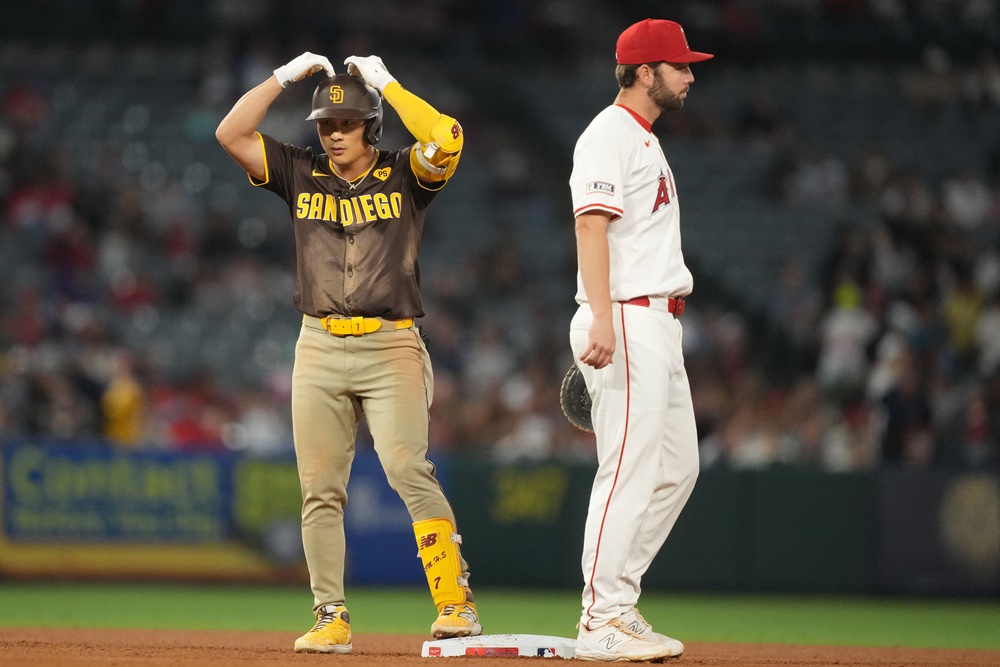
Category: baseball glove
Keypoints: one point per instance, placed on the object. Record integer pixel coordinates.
(575, 400)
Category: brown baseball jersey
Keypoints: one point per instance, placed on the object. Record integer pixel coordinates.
(356, 244)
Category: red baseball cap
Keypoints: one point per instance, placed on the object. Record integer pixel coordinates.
(653, 41)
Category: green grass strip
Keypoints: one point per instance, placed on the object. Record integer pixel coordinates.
(848, 621)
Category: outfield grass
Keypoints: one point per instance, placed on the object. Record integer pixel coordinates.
(860, 621)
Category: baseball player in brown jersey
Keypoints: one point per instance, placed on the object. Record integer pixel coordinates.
(358, 214)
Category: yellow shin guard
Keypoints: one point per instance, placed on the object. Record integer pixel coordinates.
(437, 546)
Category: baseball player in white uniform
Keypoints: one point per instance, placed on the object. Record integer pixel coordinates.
(626, 336)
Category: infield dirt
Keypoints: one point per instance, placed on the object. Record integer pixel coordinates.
(80, 647)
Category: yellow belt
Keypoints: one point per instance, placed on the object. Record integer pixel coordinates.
(359, 326)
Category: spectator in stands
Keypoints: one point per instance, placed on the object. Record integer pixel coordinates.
(846, 331)
(259, 426)
(124, 404)
(987, 338)
(962, 306)
(908, 204)
(850, 442)
(906, 435)
(793, 311)
(871, 173)
(819, 178)
(849, 259)
(967, 200)
(935, 82)
(981, 86)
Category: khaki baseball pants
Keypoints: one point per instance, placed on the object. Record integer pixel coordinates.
(387, 376)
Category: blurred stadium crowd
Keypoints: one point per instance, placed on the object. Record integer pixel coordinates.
(839, 164)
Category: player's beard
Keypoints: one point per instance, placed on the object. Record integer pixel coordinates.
(663, 97)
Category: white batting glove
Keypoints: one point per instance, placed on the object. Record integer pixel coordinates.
(371, 69)
(302, 66)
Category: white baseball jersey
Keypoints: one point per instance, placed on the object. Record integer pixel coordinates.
(619, 167)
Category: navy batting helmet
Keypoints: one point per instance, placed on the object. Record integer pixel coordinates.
(346, 96)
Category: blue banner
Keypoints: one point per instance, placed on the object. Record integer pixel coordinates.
(381, 547)
(89, 493)
(201, 514)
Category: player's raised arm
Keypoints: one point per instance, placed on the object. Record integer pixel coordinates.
(439, 136)
(238, 130)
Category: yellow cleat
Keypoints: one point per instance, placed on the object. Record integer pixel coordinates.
(457, 620)
(331, 634)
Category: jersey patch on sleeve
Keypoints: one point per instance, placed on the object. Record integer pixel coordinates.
(600, 187)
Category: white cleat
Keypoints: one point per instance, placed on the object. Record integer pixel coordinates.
(634, 621)
(613, 642)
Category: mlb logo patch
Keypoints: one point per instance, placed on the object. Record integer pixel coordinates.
(600, 187)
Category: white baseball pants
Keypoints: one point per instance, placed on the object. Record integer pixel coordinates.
(647, 449)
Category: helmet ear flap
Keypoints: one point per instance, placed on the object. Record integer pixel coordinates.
(373, 128)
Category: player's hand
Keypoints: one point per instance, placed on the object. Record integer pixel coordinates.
(302, 66)
(600, 343)
(371, 69)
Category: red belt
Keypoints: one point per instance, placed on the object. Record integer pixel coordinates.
(674, 306)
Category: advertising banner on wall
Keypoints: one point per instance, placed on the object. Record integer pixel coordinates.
(91, 494)
(81, 509)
